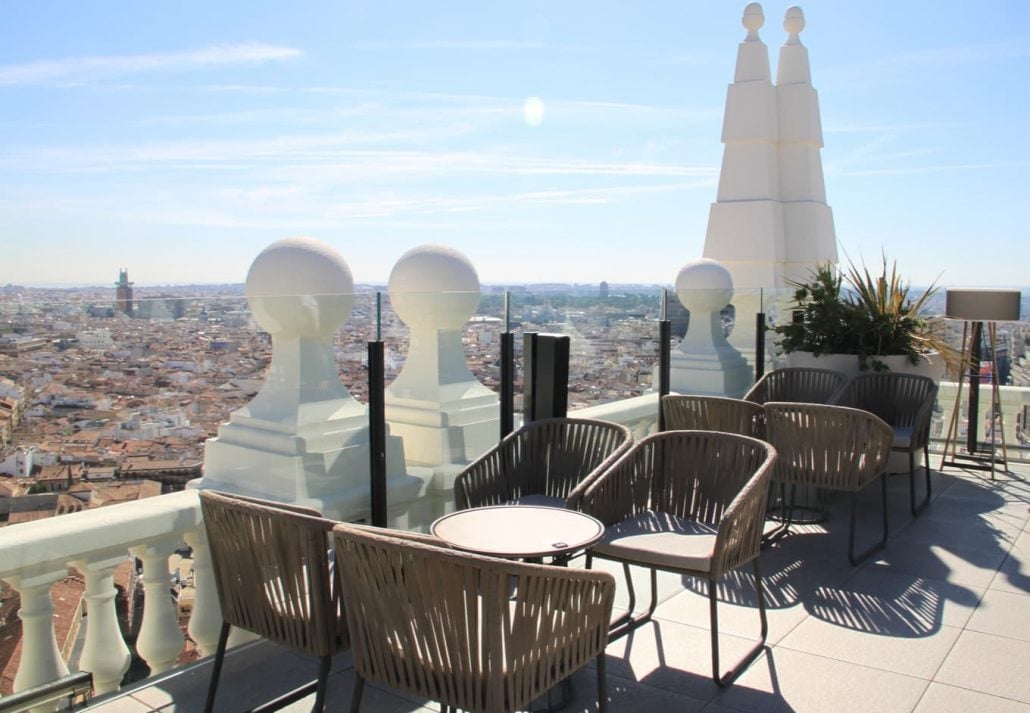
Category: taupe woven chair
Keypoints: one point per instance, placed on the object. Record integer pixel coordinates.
(474, 633)
(905, 403)
(273, 576)
(690, 502)
(799, 384)
(832, 447)
(546, 462)
(713, 413)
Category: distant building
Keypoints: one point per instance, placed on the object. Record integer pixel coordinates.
(604, 290)
(124, 292)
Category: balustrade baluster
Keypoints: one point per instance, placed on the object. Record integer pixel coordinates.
(206, 619)
(160, 640)
(104, 654)
(40, 655)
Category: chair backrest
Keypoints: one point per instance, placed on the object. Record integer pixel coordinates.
(827, 446)
(721, 479)
(477, 633)
(799, 384)
(712, 413)
(902, 400)
(550, 457)
(272, 572)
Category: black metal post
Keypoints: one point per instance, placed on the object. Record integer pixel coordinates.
(664, 360)
(973, 415)
(759, 345)
(377, 432)
(507, 383)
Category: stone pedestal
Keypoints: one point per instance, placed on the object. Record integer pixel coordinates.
(445, 415)
(303, 439)
(704, 362)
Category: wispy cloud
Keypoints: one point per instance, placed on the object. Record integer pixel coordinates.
(943, 168)
(80, 69)
(453, 44)
(929, 58)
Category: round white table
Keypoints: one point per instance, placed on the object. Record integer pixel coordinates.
(519, 531)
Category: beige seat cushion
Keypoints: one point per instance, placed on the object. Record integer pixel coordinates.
(661, 540)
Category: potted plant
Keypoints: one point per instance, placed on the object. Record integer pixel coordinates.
(858, 320)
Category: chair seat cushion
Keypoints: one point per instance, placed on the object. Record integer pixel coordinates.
(902, 437)
(548, 501)
(660, 540)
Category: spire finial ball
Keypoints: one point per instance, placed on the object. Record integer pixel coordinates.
(794, 20)
(753, 18)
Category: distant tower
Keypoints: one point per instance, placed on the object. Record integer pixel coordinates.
(604, 290)
(124, 293)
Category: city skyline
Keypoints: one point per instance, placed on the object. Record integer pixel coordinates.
(567, 144)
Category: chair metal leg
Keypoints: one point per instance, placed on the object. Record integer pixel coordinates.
(786, 518)
(722, 680)
(359, 688)
(627, 622)
(602, 684)
(323, 680)
(216, 670)
(918, 509)
(862, 556)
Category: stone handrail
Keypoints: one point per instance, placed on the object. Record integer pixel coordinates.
(36, 555)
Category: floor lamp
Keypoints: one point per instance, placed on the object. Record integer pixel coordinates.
(975, 307)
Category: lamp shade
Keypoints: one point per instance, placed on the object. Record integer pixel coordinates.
(983, 305)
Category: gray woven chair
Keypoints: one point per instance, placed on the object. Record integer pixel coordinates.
(799, 384)
(831, 447)
(713, 413)
(273, 576)
(690, 502)
(905, 403)
(474, 633)
(546, 462)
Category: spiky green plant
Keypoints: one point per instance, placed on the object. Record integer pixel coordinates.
(859, 312)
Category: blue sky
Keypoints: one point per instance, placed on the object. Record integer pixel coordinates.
(178, 139)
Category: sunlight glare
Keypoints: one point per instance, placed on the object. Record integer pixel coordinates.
(533, 111)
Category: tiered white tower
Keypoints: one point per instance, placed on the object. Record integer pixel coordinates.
(445, 415)
(809, 237)
(770, 223)
(303, 439)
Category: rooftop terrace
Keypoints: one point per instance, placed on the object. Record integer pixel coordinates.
(939, 622)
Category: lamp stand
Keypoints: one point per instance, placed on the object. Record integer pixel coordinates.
(975, 456)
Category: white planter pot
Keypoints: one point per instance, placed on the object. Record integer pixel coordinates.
(931, 365)
(846, 364)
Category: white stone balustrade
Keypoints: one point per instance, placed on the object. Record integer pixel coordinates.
(35, 555)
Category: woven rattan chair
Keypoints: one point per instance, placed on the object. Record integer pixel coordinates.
(474, 633)
(905, 403)
(799, 384)
(831, 447)
(713, 413)
(546, 462)
(690, 502)
(273, 576)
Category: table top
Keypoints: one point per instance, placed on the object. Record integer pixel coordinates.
(518, 531)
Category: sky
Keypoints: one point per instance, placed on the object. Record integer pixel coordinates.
(548, 141)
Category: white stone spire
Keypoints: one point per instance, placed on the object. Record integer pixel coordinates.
(745, 224)
(807, 219)
(770, 223)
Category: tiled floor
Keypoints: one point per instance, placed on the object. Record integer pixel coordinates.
(939, 622)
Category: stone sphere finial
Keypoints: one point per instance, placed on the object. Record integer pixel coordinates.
(704, 285)
(300, 287)
(434, 286)
(794, 22)
(753, 20)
